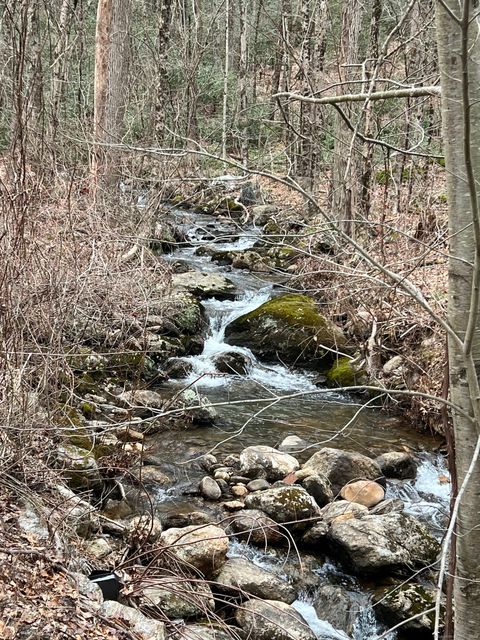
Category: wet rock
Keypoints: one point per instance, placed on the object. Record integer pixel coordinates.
(318, 487)
(206, 285)
(338, 606)
(284, 504)
(240, 480)
(344, 510)
(196, 407)
(143, 529)
(397, 464)
(233, 363)
(232, 460)
(256, 528)
(244, 579)
(179, 520)
(151, 475)
(288, 328)
(268, 462)
(79, 468)
(316, 535)
(207, 461)
(250, 260)
(258, 485)
(177, 368)
(210, 489)
(391, 505)
(224, 487)
(402, 603)
(386, 543)
(178, 598)
(341, 467)
(292, 444)
(133, 619)
(203, 547)
(272, 620)
(366, 492)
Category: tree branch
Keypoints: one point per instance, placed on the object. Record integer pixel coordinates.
(412, 92)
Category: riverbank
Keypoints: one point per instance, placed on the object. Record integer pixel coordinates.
(130, 441)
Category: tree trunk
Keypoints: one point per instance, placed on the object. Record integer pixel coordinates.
(110, 82)
(226, 70)
(345, 171)
(164, 12)
(459, 60)
(242, 80)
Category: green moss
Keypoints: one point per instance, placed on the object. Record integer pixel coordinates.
(293, 309)
(382, 177)
(88, 409)
(342, 374)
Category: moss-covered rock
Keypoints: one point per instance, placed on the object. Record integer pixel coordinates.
(80, 468)
(343, 374)
(409, 604)
(289, 328)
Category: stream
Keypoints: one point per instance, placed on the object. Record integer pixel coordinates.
(299, 406)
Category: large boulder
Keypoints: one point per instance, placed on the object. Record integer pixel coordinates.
(178, 598)
(272, 620)
(207, 631)
(144, 628)
(267, 462)
(206, 285)
(342, 510)
(289, 328)
(203, 547)
(402, 603)
(233, 362)
(397, 464)
(193, 408)
(340, 467)
(244, 579)
(141, 402)
(284, 504)
(394, 542)
(256, 528)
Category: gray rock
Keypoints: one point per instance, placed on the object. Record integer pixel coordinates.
(178, 368)
(207, 461)
(206, 285)
(150, 474)
(197, 408)
(203, 547)
(338, 606)
(318, 487)
(391, 505)
(262, 213)
(98, 548)
(208, 631)
(178, 597)
(144, 627)
(210, 489)
(284, 504)
(272, 620)
(343, 509)
(402, 603)
(256, 528)
(316, 535)
(141, 402)
(143, 529)
(267, 461)
(341, 467)
(292, 444)
(397, 464)
(258, 485)
(244, 579)
(386, 543)
(179, 520)
(79, 468)
(233, 363)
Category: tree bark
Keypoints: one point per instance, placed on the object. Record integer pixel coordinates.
(459, 61)
(109, 90)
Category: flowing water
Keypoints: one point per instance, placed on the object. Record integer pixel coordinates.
(273, 401)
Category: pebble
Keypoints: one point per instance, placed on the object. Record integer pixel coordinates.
(239, 480)
(239, 490)
(234, 505)
(222, 475)
(207, 462)
(258, 485)
(209, 488)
